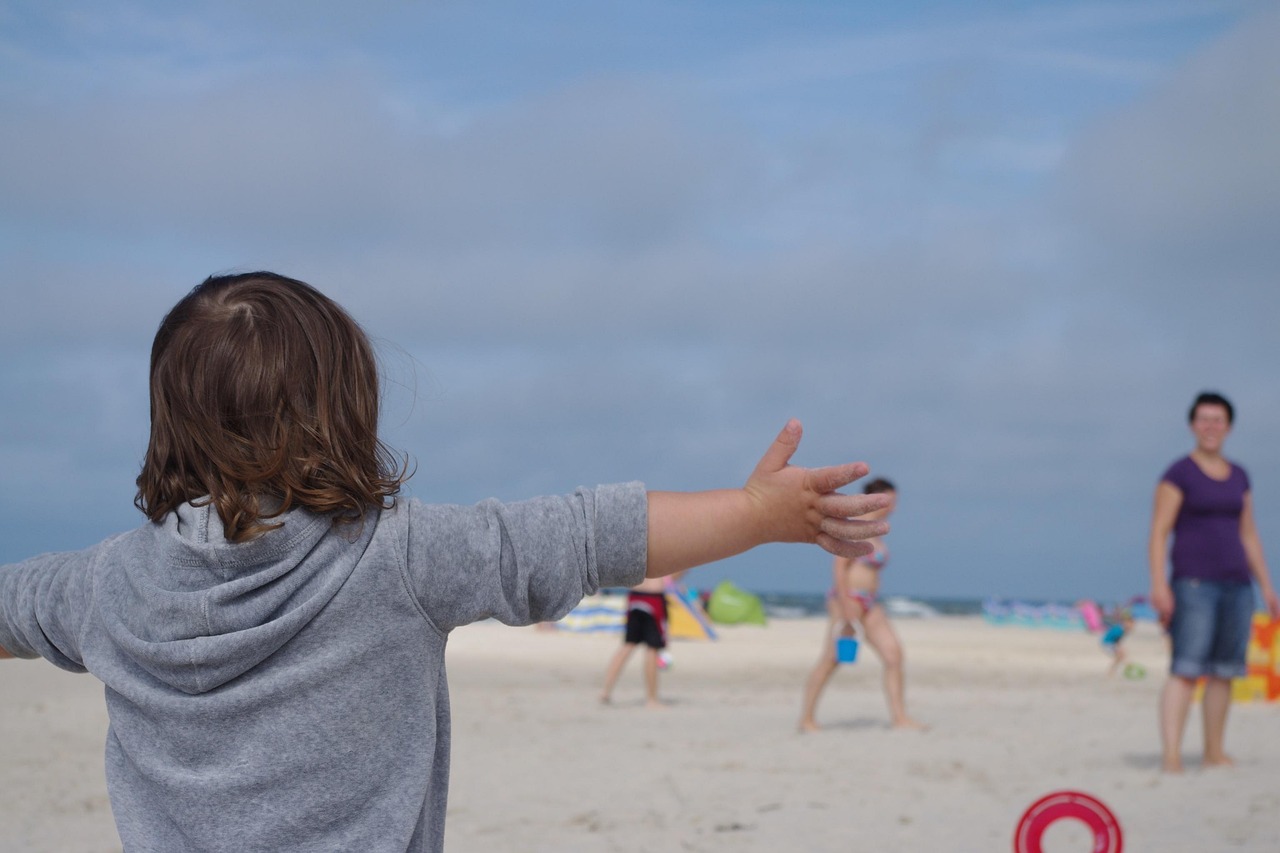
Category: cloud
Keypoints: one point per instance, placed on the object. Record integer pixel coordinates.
(1192, 169)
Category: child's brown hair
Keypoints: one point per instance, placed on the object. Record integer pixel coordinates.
(264, 396)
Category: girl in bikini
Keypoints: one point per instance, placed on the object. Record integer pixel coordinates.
(853, 600)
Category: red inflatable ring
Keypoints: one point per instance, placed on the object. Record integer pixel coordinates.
(1068, 804)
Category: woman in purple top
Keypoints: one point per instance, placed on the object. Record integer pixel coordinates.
(1204, 501)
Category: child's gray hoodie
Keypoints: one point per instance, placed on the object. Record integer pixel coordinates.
(288, 693)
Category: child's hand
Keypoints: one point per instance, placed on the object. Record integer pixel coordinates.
(779, 503)
(802, 504)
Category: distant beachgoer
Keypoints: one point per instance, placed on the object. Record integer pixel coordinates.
(1205, 502)
(272, 639)
(854, 600)
(647, 625)
(1113, 639)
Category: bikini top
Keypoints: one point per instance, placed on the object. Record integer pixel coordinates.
(876, 559)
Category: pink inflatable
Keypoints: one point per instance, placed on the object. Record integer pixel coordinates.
(1092, 615)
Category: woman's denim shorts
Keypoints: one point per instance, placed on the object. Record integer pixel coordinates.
(1210, 628)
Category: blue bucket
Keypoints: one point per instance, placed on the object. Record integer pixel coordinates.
(846, 649)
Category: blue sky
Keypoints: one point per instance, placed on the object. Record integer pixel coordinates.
(993, 249)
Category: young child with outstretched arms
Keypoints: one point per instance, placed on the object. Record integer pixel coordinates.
(272, 640)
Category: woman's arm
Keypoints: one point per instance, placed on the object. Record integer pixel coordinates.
(1168, 502)
(1253, 554)
(779, 503)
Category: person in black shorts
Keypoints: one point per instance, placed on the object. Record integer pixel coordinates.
(646, 624)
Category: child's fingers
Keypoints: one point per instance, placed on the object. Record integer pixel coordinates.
(851, 529)
(782, 449)
(851, 506)
(823, 480)
(844, 548)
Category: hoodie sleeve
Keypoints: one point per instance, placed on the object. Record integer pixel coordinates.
(525, 562)
(43, 604)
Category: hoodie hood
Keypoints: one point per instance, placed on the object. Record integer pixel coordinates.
(197, 611)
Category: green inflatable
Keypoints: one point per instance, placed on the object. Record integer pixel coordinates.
(730, 605)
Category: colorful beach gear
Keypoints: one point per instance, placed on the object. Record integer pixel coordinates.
(730, 605)
(688, 621)
(1261, 681)
(607, 612)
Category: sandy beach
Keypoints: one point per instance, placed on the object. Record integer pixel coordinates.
(540, 765)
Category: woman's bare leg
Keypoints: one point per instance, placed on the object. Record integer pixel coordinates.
(884, 640)
(818, 678)
(822, 671)
(1217, 701)
(1175, 703)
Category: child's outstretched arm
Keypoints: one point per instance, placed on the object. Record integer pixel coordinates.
(779, 503)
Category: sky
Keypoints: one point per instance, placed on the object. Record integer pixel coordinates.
(993, 249)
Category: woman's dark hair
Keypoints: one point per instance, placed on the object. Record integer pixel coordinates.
(877, 486)
(1211, 398)
(264, 396)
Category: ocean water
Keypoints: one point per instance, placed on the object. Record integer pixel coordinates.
(797, 605)
(800, 605)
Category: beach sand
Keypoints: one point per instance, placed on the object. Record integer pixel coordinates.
(540, 765)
